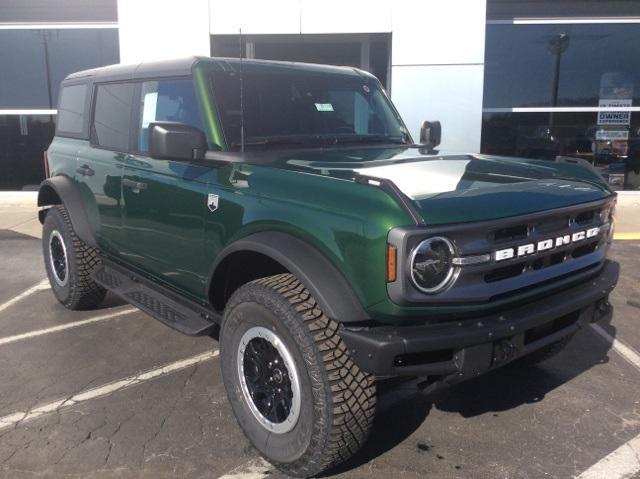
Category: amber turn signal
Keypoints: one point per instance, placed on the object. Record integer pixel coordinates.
(392, 253)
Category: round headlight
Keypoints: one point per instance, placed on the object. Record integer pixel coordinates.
(432, 268)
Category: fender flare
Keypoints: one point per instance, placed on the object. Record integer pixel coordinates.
(63, 190)
(323, 280)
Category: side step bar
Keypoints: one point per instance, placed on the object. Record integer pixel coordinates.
(178, 313)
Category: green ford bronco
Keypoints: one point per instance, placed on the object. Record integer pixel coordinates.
(285, 210)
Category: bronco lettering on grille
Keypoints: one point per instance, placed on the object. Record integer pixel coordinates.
(544, 245)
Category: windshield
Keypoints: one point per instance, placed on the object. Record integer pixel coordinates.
(298, 109)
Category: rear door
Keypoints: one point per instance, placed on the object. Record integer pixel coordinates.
(100, 164)
(165, 201)
(72, 128)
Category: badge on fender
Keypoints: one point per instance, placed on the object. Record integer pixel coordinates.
(212, 202)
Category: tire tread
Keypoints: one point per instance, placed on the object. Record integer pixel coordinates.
(352, 391)
(84, 293)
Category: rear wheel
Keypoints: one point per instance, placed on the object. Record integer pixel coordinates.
(69, 262)
(293, 387)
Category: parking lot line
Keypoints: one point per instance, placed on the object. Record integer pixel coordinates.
(44, 284)
(100, 391)
(627, 236)
(254, 469)
(62, 327)
(622, 349)
(622, 463)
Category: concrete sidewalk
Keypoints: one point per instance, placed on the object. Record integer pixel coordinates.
(628, 217)
(19, 213)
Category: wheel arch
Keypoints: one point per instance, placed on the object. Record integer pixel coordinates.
(62, 190)
(276, 252)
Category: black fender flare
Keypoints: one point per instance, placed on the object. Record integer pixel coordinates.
(323, 280)
(61, 189)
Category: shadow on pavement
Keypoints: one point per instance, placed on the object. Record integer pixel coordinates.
(517, 383)
(402, 407)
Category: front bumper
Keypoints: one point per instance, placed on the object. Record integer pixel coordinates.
(455, 350)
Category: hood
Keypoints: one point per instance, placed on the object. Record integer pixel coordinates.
(457, 188)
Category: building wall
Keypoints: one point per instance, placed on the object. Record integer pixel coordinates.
(161, 29)
(437, 50)
(438, 67)
(43, 41)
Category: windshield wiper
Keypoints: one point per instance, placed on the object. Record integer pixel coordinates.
(271, 141)
(306, 140)
(369, 139)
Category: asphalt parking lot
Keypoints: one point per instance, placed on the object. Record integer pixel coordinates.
(113, 393)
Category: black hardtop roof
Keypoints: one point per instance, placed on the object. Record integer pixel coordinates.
(183, 67)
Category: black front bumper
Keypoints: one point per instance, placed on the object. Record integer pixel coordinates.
(460, 349)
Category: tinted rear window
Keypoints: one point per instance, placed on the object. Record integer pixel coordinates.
(71, 112)
(112, 117)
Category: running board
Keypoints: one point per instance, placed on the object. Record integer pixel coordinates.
(158, 301)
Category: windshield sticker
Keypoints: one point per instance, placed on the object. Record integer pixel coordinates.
(324, 106)
(366, 89)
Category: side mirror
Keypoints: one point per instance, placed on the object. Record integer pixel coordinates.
(430, 133)
(169, 140)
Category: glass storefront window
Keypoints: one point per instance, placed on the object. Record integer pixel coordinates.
(23, 140)
(615, 151)
(589, 60)
(35, 61)
(568, 89)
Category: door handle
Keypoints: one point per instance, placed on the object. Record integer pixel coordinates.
(136, 186)
(84, 170)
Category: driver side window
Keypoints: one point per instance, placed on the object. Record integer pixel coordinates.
(167, 100)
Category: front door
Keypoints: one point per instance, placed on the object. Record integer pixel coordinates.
(166, 201)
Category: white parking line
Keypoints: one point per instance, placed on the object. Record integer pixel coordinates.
(62, 327)
(622, 463)
(253, 469)
(622, 349)
(100, 391)
(44, 284)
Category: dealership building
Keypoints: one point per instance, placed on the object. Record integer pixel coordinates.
(532, 78)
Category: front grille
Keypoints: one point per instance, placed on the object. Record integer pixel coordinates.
(505, 272)
(481, 282)
(512, 233)
(541, 228)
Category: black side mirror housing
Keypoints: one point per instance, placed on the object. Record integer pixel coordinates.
(430, 134)
(169, 140)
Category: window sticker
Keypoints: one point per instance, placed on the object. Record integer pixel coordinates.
(324, 106)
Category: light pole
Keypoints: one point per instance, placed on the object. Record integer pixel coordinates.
(558, 44)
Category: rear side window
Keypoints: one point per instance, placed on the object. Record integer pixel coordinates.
(112, 116)
(167, 100)
(71, 111)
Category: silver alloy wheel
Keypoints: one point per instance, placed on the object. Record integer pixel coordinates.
(269, 380)
(58, 258)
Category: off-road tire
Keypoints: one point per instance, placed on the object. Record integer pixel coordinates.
(546, 352)
(337, 398)
(79, 290)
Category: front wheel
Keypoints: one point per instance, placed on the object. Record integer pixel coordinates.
(292, 385)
